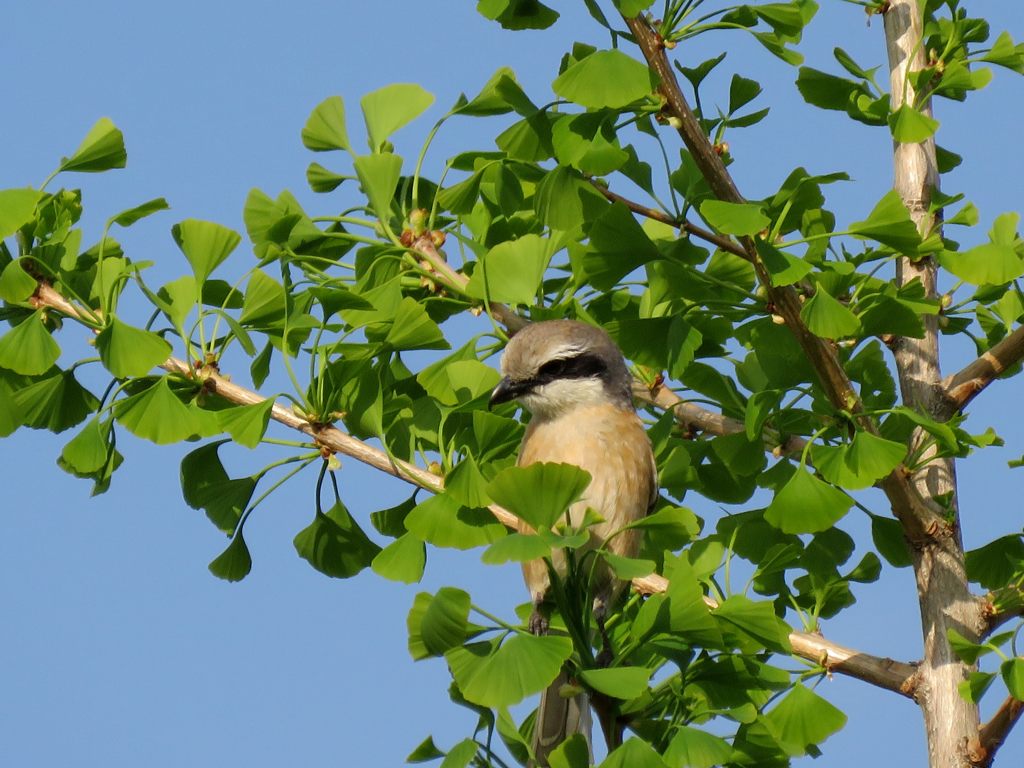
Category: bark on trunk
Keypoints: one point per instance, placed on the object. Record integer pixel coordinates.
(943, 593)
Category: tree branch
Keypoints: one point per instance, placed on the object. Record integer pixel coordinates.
(719, 241)
(922, 521)
(982, 750)
(967, 383)
(891, 675)
(884, 673)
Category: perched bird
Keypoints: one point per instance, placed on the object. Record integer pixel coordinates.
(574, 381)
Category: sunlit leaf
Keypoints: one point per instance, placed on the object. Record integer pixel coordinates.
(246, 423)
(157, 414)
(694, 748)
(325, 129)
(539, 493)
(605, 79)
(911, 126)
(141, 211)
(205, 244)
(17, 208)
(860, 463)
(889, 223)
(445, 620)
(827, 317)
(634, 753)
(55, 403)
(618, 682)
(378, 176)
(16, 285)
(441, 521)
(518, 14)
(127, 351)
(734, 218)
(512, 271)
(802, 720)
(805, 504)
(28, 348)
(402, 560)
(102, 149)
(389, 108)
(521, 666)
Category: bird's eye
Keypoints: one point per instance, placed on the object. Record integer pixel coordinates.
(578, 367)
(553, 369)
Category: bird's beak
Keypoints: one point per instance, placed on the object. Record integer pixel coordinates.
(505, 391)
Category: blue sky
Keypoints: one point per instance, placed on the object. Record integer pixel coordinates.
(119, 648)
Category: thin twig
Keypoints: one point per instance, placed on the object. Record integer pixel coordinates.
(964, 385)
(982, 751)
(719, 241)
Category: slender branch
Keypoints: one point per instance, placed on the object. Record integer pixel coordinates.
(719, 241)
(922, 520)
(891, 675)
(982, 750)
(884, 673)
(964, 385)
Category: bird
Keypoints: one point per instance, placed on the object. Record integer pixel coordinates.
(573, 379)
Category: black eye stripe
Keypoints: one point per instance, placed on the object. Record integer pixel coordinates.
(581, 366)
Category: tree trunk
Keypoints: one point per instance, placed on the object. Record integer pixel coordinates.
(943, 593)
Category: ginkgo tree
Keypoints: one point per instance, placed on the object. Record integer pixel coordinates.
(786, 357)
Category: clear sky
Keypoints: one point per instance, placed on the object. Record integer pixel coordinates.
(118, 647)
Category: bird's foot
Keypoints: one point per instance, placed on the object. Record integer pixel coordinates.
(538, 622)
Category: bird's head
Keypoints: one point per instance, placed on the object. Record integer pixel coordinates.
(555, 366)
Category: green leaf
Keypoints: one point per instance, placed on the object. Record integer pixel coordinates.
(402, 560)
(631, 8)
(618, 682)
(445, 621)
(628, 568)
(512, 271)
(55, 403)
(517, 548)
(335, 545)
(205, 244)
(16, 285)
(827, 317)
(17, 208)
(521, 666)
(890, 541)
(539, 493)
(518, 14)
(321, 179)
(860, 463)
(756, 620)
(605, 79)
(571, 753)
(997, 563)
(234, 563)
(1013, 675)
(264, 302)
(325, 129)
(443, 522)
(805, 504)
(965, 650)
(734, 218)
(618, 245)
(911, 126)
(378, 176)
(694, 748)
(128, 352)
(141, 211)
(205, 485)
(101, 150)
(461, 754)
(889, 223)
(87, 451)
(784, 268)
(634, 753)
(246, 423)
(158, 415)
(802, 720)
(391, 107)
(412, 328)
(28, 348)
(995, 262)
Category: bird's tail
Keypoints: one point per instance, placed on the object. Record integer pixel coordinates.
(559, 717)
